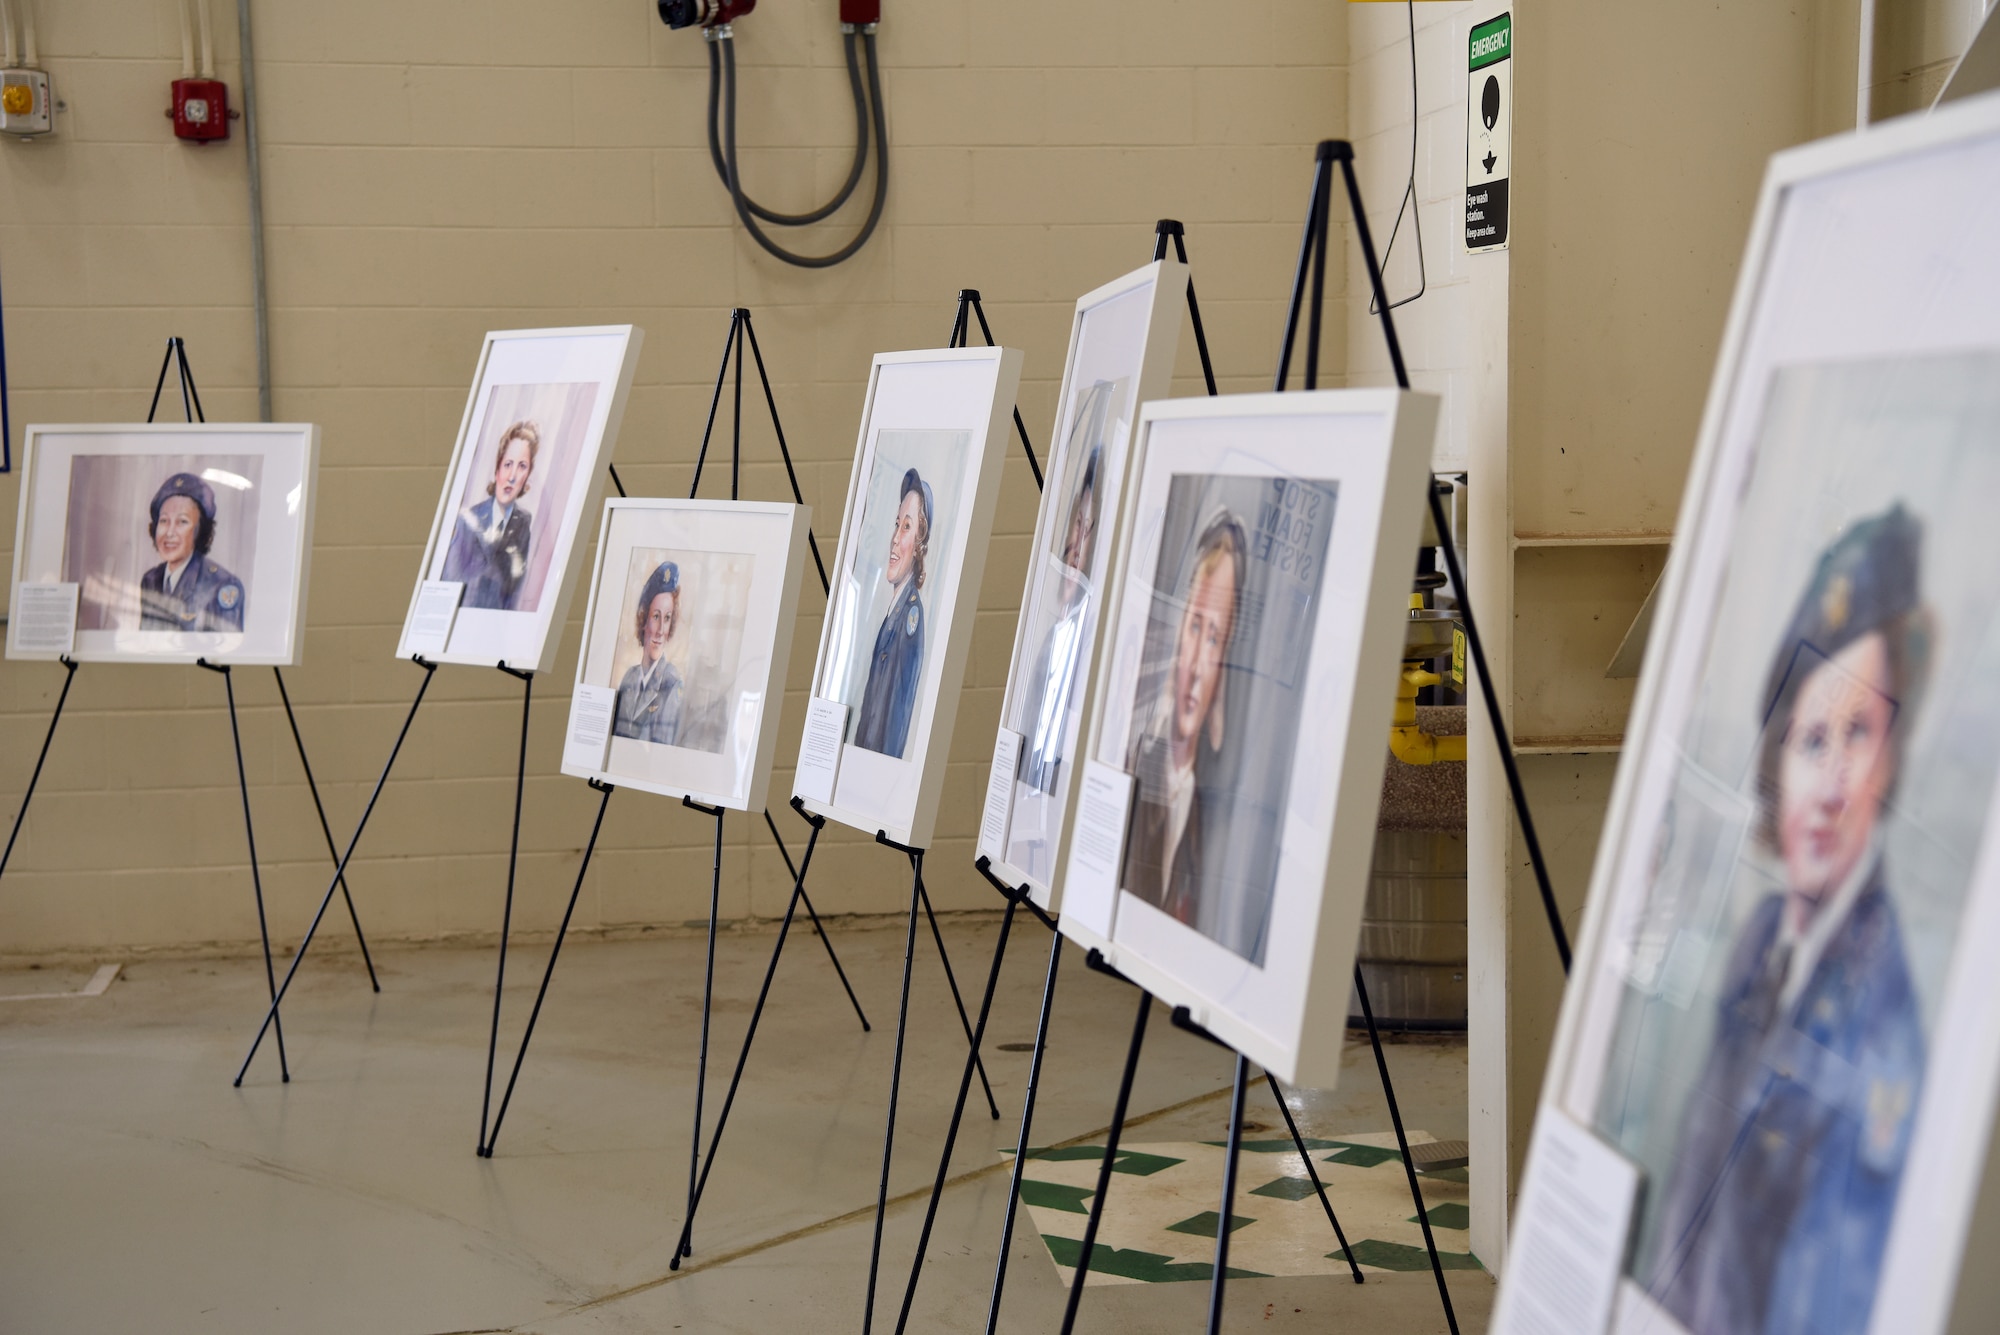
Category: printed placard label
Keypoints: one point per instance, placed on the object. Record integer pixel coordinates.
(437, 608)
(819, 750)
(589, 736)
(1000, 794)
(44, 618)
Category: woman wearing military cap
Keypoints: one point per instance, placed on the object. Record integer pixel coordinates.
(896, 666)
(1777, 1211)
(187, 590)
(489, 544)
(650, 695)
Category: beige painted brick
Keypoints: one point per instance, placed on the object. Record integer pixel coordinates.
(484, 106)
(305, 102)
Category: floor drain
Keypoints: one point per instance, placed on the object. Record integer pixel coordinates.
(1017, 1047)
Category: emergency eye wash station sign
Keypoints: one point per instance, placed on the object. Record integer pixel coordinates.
(1489, 133)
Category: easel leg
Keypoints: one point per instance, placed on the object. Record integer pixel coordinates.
(1027, 1123)
(895, 1086)
(956, 1000)
(957, 1113)
(818, 926)
(784, 450)
(1305, 1156)
(555, 950)
(1104, 1168)
(683, 1247)
(1220, 1278)
(326, 829)
(70, 665)
(1403, 1146)
(707, 1011)
(298, 957)
(256, 879)
(507, 913)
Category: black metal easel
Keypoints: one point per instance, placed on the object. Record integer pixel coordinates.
(1015, 897)
(968, 308)
(1312, 257)
(1166, 230)
(176, 357)
(740, 332)
(1312, 250)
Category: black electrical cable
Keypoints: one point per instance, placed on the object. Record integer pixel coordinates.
(735, 179)
(1409, 200)
(860, 138)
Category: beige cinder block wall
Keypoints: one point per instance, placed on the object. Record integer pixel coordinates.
(435, 170)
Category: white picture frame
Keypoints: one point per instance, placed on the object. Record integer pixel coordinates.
(1867, 265)
(1123, 338)
(88, 517)
(1325, 490)
(568, 388)
(948, 410)
(699, 720)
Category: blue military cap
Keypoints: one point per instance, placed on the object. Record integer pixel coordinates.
(913, 481)
(1863, 583)
(190, 486)
(666, 578)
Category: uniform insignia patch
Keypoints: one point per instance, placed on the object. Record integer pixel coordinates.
(910, 622)
(229, 596)
(1888, 1105)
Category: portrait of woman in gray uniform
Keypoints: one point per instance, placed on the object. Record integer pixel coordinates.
(187, 590)
(650, 695)
(489, 543)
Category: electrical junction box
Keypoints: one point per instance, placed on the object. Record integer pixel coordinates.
(25, 106)
(201, 109)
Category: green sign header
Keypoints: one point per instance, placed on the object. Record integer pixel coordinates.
(1492, 41)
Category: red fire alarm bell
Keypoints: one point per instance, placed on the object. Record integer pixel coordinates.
(201, 109)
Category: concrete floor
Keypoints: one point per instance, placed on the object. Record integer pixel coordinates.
(142, 1192)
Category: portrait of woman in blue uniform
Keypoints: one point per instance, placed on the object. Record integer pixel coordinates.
(489, 542)
(1777, 1210)
(650, 695)
(895, 668)
(187, 590)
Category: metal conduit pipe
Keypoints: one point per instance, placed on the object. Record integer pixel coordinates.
(259, 298)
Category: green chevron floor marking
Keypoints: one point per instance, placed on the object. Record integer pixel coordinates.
(1397, 1256)
(1147, 1267)
(1055, 1196)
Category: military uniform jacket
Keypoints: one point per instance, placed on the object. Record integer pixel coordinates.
(894, 670)
(491, 571)
(205, 598)
(649, 712)
(1149, 863)
(1777, 1213)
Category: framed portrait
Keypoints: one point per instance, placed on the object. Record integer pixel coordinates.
(1784, 1013)
(689, 623)
(934, 428)
(1220, 843)
(183, 541)
(528, 466)
(1121, 354)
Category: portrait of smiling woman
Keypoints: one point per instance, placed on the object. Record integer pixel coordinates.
(187, 590)
(489, 543)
